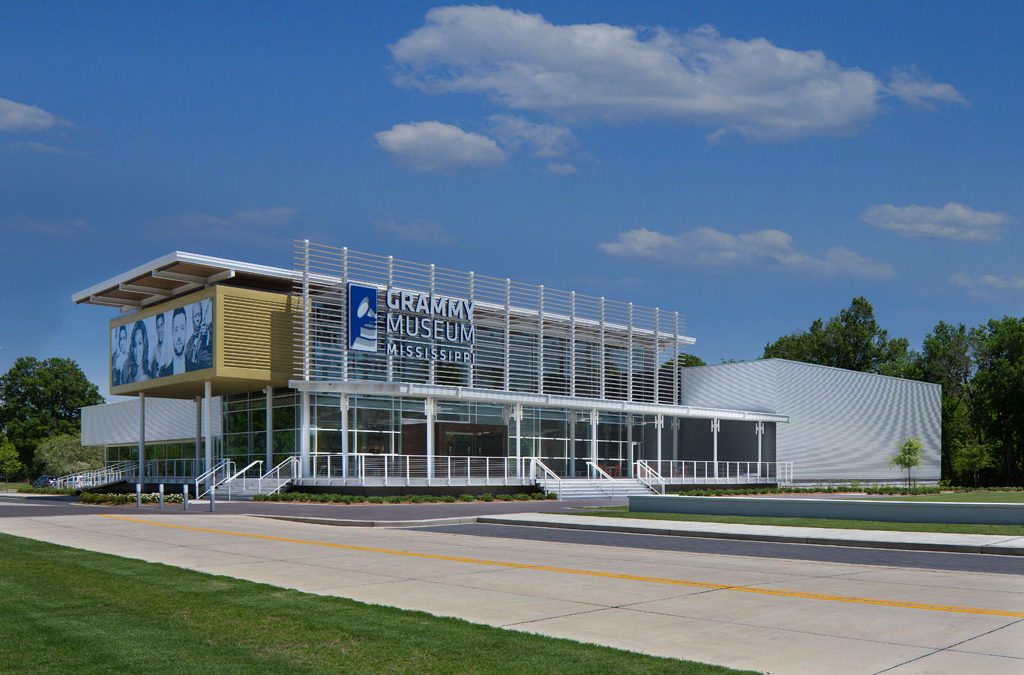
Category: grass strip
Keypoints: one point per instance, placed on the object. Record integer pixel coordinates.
(977, 496)
(70, 610)
(952, 528)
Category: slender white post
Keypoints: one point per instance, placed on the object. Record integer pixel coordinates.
(715, 426)
(142, 448)
(199, 436)
(508, 327)
(540, 340)
(629, 445)
(304, 424)
(208, 430)
(759, 430)
(429, 410)
(517, 415)
(659, 424)
(593, 435)
(345, 448)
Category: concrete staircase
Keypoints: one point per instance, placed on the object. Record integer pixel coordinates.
(244, 491)
(595, 488)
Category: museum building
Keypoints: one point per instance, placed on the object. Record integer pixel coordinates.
(354, 370)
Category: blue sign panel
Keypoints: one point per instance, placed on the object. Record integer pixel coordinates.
(362, 318)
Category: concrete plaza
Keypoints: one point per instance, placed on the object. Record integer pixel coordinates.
(772, 615)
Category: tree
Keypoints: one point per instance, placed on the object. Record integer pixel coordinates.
(64, 454)
(40, 399)
(852, 340)
(997, 392)
(908, 456)
(945, 359)
(10, 465)
(971, 458)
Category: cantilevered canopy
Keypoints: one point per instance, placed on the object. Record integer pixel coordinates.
(178, 273)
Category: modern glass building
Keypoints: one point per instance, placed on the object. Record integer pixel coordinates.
(352, 369)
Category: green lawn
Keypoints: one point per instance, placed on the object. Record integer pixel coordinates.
(621, 512)
(12, 486)
(66, 610)
(978, 496)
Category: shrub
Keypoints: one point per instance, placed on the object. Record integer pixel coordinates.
(504, 498)
(521, 497)
(467, 498)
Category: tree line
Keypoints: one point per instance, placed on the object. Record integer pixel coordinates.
(40, 417)
(981, 370)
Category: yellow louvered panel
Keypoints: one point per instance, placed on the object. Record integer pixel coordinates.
(257, 333)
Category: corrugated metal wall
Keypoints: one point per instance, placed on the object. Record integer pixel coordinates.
(844, 425)
(166, 420)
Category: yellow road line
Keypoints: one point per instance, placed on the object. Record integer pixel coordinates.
(587, 573)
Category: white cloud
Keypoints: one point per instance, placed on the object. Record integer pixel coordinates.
(260, 227)
(47, 228)
(42, 148)
(913, 88)
(952, 221)
(418, 231)
(713, 248)
(560, 168)
(16, 116)
(435, 147)
(988, 282)
(750, 87)
(545, 140)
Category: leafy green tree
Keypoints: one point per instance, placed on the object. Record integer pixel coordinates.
(908, 456)
(946, 359)
(10, 465)
(997, 392)
(63, 454)
(970, 458)
(40, 399)
(852, 339)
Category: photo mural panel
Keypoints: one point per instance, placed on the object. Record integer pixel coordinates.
(176, 341)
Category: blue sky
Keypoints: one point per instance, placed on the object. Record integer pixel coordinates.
(753, 165)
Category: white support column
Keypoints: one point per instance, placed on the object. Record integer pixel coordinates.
(431, 364)
(269, 426)
(517, 415)
(629, 446)
(199, 436)
(429, 409)
(677, 397)
(142, 438)
(659, 425)
(675, 438)
(345, 445)
(304, 432)
(208, 430)
(715, 426)
(759, 430)
(594, 419)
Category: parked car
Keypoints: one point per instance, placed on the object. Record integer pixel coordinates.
(44, 481)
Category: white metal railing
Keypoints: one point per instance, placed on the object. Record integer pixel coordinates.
(647, 475)
(279, 476)
(112, 473)
(390, 469)
(595, 471)
(694, 472)
(212, 478)
(539, 471)
(242, 475)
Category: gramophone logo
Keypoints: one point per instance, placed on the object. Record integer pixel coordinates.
(362, 318)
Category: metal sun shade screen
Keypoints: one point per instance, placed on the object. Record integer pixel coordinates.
(527, 338)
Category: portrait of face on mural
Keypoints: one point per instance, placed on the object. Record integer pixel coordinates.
(173, 342)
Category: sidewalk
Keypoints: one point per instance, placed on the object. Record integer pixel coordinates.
(910, 541)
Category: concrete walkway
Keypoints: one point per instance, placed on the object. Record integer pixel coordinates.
(910, 541)
(779, 616)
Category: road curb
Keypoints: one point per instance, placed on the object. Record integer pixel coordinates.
(773, 538)
(343, 522)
